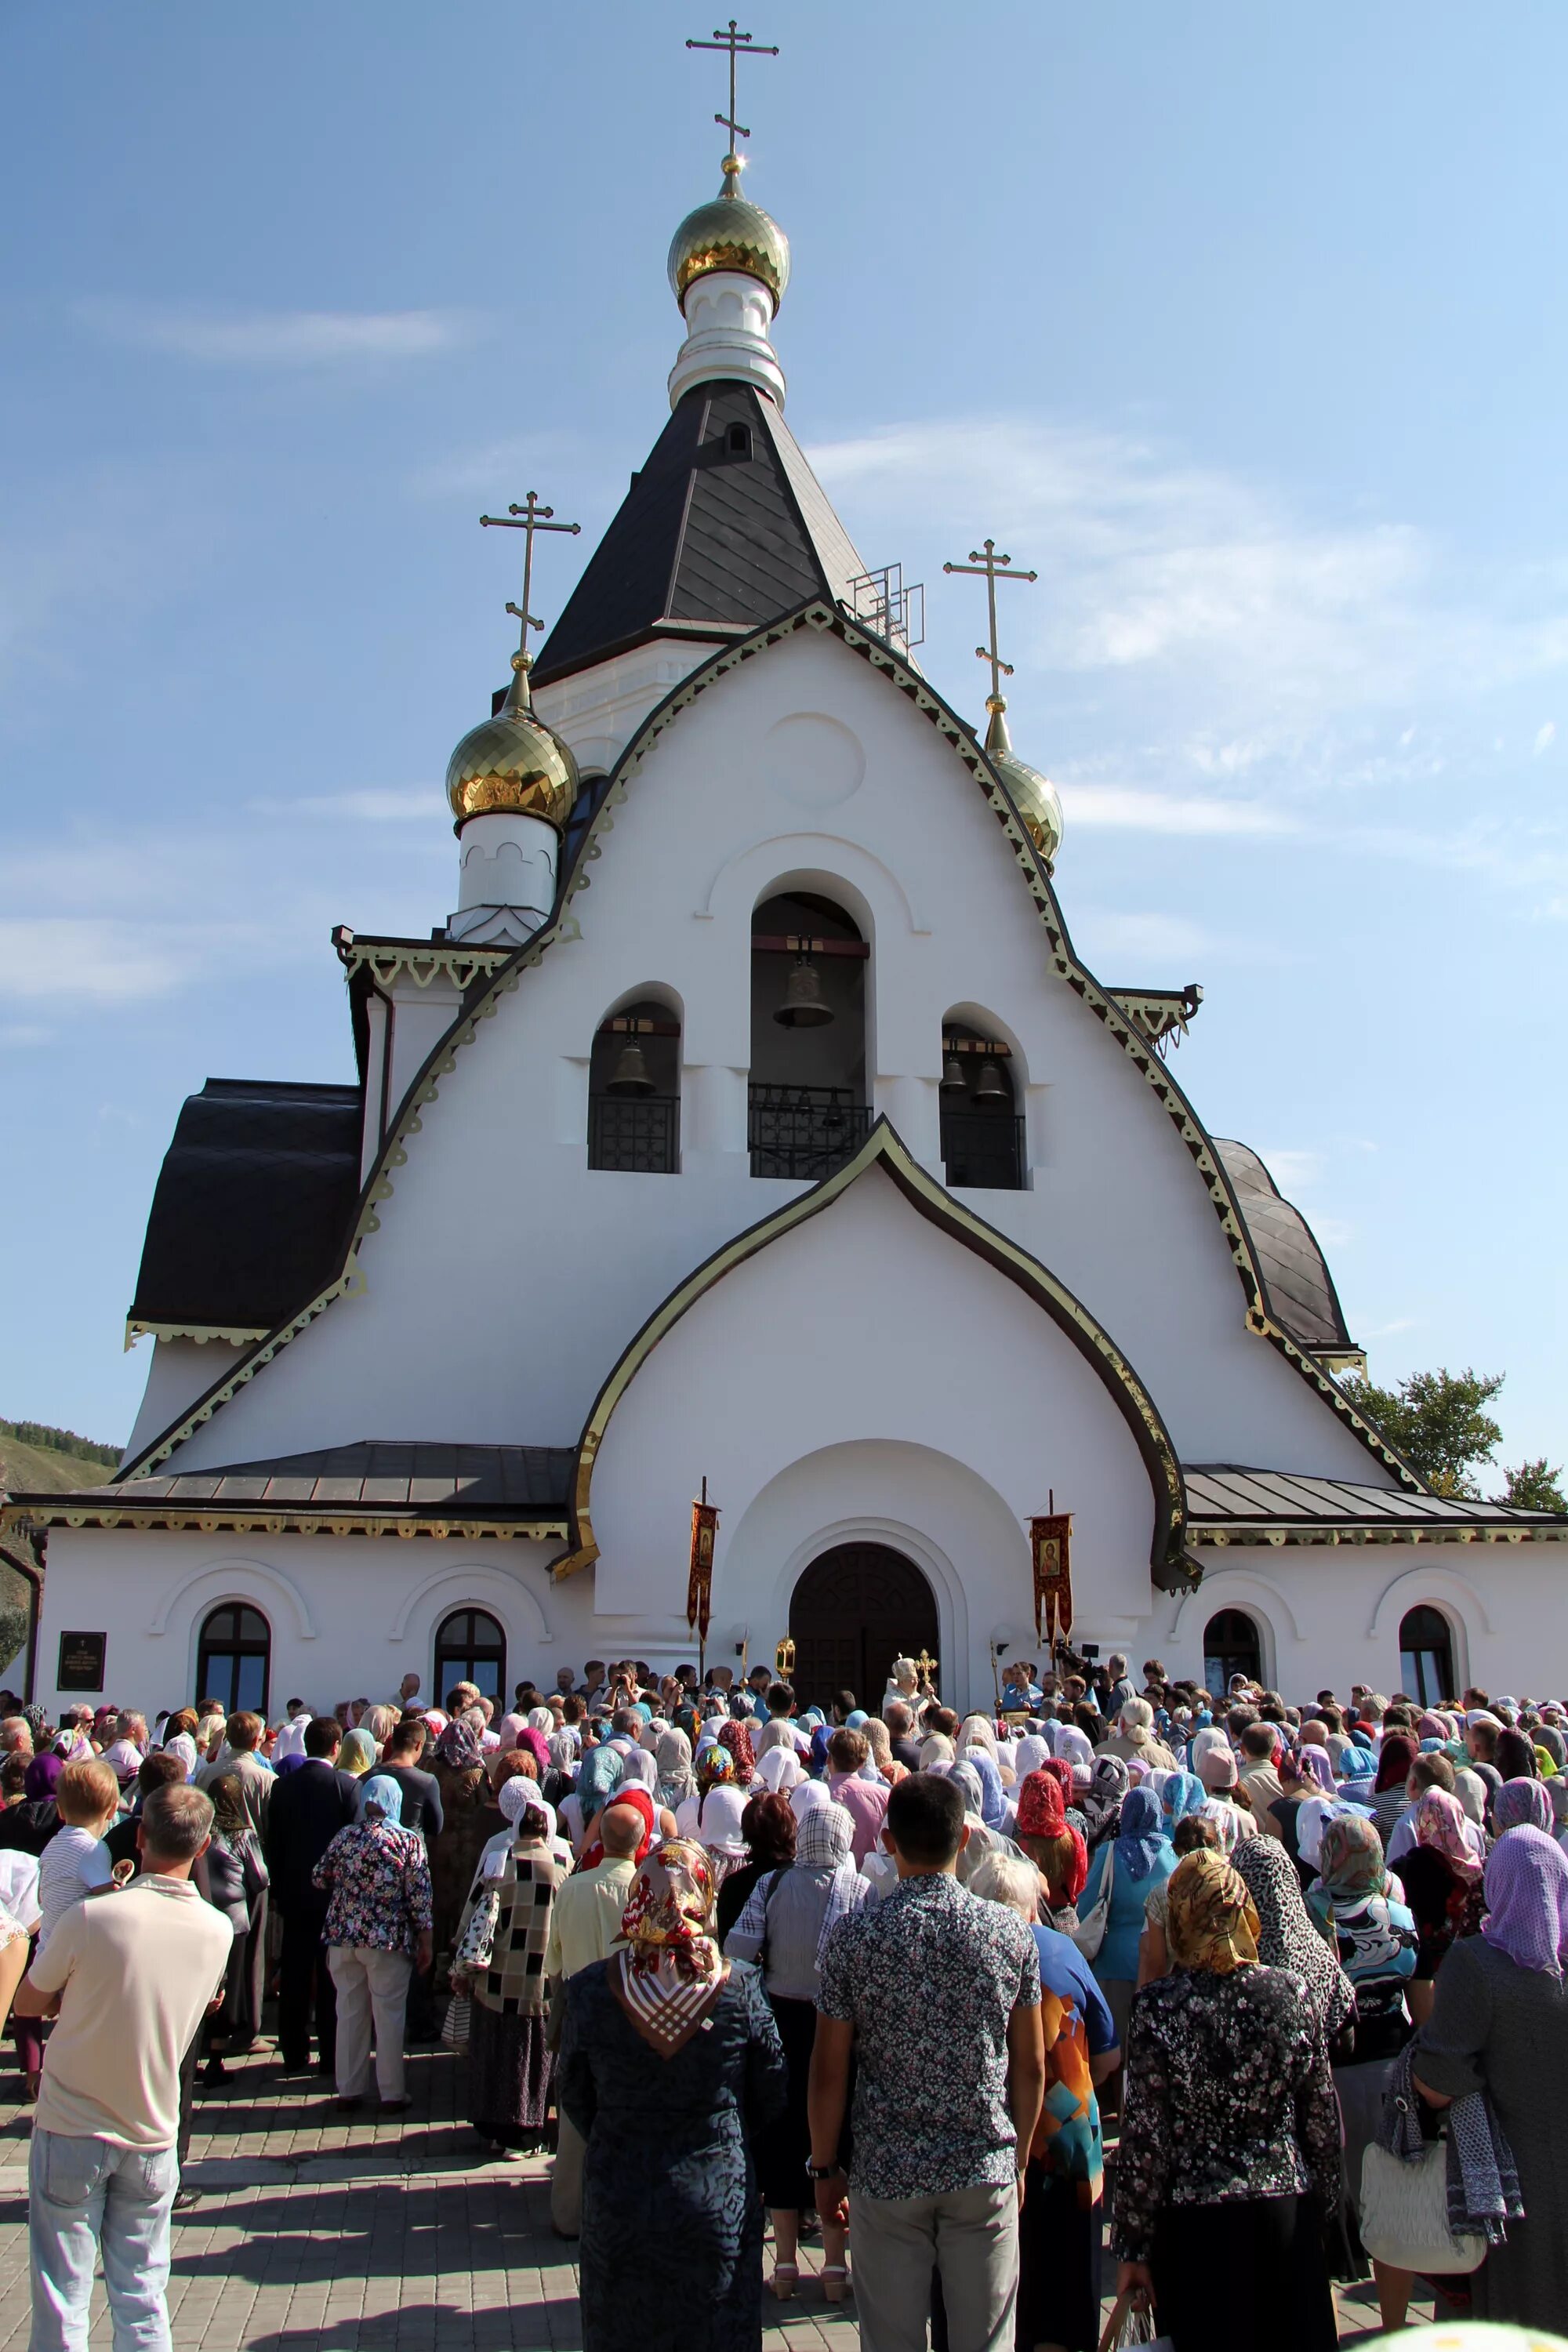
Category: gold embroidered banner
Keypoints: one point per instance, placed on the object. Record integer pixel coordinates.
(700, 1581)
(1051, 1545)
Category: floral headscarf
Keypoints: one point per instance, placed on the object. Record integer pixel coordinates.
(672, 1971)
(715, 1770)
(737, 1739)
(1438, 1821)
(1527, 1897)
(1286, 1936)
(1101, 1801)
(1226, 1819)
(1182, 1794)
(1210, 1922)
(1349, 1860)
(456, 1746)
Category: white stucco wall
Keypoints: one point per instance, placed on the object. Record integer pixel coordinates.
(507, 1277)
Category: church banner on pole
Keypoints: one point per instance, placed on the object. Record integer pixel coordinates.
(700, 1579)
(1051, 1547)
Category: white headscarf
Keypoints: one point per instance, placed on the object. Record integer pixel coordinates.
(937, 1749)
(1072, 1745)
(719, 1821)
(780, 1770)
(805, 1796)
(185, 1748)
(1031, 1753)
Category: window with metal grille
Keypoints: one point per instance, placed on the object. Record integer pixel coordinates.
(805, 1132)
(638, 1134)
(233, 1658)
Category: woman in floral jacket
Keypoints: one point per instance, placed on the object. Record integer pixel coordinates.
(377, 1931)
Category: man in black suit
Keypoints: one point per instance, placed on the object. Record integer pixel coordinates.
(309, 1807)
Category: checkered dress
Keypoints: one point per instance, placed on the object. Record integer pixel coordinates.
(513, 1984)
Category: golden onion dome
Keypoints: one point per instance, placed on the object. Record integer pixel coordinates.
(1034, 796)
(513, 765)
(729, 233)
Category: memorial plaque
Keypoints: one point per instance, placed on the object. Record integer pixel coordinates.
(81, 1661)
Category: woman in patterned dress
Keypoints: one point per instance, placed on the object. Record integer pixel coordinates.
(1229, 2163)
(670, 2066)
(509, 2063)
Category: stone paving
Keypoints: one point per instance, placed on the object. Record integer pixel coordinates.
(316, 2229)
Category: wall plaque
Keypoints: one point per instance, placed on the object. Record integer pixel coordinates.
(81, 1661)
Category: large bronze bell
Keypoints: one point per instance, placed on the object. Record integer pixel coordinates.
(629, 1076)
(993, 1086)
(803, 1007)
(952, 1078)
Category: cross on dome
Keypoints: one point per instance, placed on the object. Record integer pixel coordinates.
(1033, 796)
(738, 45)
(529, 517)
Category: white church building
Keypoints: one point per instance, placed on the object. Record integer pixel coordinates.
(752, 1120)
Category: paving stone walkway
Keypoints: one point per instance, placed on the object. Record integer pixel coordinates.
(321, 2232)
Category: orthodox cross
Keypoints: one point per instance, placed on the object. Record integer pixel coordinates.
(735, 43)
(989, 566)
(527, 519)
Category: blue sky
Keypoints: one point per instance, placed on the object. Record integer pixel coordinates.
(1244, 327)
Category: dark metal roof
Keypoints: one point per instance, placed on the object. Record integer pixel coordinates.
(434, 1480)
(1298, 1290)
(705, 537)
(253, 1203)
(1229, 1493)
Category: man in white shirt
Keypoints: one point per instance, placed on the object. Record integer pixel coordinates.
(131, 1973)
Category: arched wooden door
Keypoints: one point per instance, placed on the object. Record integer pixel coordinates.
(855, 1610)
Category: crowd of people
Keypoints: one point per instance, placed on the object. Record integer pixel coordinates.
(964, 2001)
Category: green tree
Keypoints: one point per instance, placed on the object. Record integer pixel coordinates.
(1534, 1486)
(1438, 1421)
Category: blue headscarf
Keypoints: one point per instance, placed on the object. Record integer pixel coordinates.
(377, 1789)
(1141, 1836)
(857, 1720)
(603, 1771)
(1183, 1793)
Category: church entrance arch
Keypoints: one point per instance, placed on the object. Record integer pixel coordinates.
(854, 1611)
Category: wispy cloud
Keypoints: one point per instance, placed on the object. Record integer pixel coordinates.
(1122, 809)
(282, 339)
(1291, 1168)
(375, 804)
(62, 957)
(1545, 736)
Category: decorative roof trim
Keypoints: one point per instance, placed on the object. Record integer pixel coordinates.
(202, 1518)
(885, 1148)
(1218, 1534)
(423, 960)
(1163, 1014)
(424, 1088)
(200, 1332)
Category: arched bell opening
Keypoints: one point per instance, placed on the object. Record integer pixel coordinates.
(634, 1090)
(982, 1117)
(854, 1611)
(809, 1100)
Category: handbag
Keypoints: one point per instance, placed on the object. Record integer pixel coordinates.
(477, 1939)
(1089, 1933)
(1404, 2215)
(1126, 2326)
(455, 2024)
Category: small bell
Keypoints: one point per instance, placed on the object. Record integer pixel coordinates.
(803, 1007)
(629, 1076)
(953, 1079)
(993, 1086)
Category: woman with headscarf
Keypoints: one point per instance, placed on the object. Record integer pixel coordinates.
(1230, 2150)
(672, 2070)
(1501, 2025)
(769, 1829)
(377, 1931)
(781, 1771)
(29, 1825)
(1194, 1833)
(513, 1896)
(1297, 1785)
(737, 1738)
(460, 1772)
(674, 1782)
(1132, 1864)
(723, 1807)
(1100, 1797)
(1057, 1850)
(358, 1755)
(788, 1915)
(1287, 1938)
(1388, 1800)
(1515, 1757)
(1442, 1881)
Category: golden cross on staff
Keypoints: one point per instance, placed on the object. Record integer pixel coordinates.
(527, 519)
(736, 44)
(989, 566)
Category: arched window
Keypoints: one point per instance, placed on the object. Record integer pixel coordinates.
(634, 1091)
(982, 1126)
(1425, 1657)
(808, 1105)
(1231, 1646)
(233, 1658)
(470, 1648)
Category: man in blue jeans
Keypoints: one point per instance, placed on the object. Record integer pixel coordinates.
(131, 1973)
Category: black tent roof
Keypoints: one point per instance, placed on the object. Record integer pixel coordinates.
(724, 528)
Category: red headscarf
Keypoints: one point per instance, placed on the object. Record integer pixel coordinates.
(1060, 1770)
(1042, 1813)
(737, 1739)
(641, 1801)
(1395, 1758)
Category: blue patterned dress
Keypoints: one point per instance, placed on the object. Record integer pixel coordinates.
(670, 2187)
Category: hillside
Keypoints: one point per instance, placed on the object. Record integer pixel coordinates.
(51, 1461)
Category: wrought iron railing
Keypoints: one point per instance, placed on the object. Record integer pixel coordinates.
(806, 1132)
(984, 1150)
(639, 1134)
